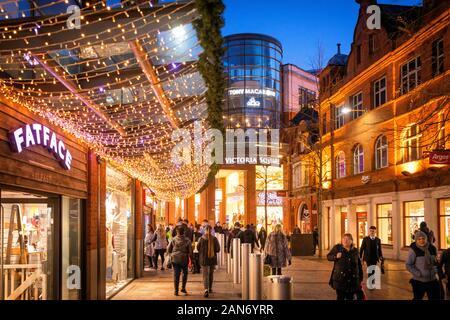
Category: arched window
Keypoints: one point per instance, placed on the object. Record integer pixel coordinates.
(381, 153)
(358, 159)
(411, 143)
(340, 165)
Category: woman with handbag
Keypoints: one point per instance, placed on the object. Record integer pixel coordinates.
(347, 274)
(208, 247)
(160, 240)
(277, 251)
(180, 250)
(149, 247)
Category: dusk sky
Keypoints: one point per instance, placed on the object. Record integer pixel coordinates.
(299, 24)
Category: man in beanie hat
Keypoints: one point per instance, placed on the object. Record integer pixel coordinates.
(422, 264)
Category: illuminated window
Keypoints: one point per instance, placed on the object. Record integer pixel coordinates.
(410, 75)
(339, 117)
(381, 153)
(273, 176)
(379, 92)
(340, 165)
(411, 143)
(357, 105)
(444, 223)
(413, 216)
(384, 222)
(358, 159)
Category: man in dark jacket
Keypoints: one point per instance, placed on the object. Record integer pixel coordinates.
(233, 234)
(249, 236)
(370, 251)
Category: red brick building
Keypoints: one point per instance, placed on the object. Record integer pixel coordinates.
(383, 109)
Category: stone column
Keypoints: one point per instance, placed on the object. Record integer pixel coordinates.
(352, 221)
(250, 195)
(396, 227)
(431, 212)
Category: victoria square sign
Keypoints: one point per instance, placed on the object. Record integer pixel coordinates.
(252, 146)
(38, 134)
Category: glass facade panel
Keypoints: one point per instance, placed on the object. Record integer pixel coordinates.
(119, 231)
(384, 221)
(444, 223)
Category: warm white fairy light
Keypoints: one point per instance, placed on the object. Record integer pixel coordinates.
(115, 83)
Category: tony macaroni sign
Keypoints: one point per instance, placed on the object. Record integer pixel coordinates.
(38, 134)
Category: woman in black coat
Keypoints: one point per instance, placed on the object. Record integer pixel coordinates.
(347, 274)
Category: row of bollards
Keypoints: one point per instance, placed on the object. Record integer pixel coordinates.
(247, 270)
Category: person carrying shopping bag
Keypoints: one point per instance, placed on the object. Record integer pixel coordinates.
(208, 247)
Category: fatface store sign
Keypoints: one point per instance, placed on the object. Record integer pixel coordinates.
(38, 134)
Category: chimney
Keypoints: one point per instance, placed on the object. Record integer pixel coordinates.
(366, 3)
(339, 48)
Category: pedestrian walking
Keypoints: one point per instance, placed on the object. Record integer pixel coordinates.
(370, 251)
(277, 250)
(444, 268)
(233, 234)
(160, 241)
(149, 247)
(180, 250)
(296, 230)
(422, 264)
(262, 237)
(249, 236)
(430, 234)
(208, 247)
(315, 238)
(347, 275)
(196, 259)
(218, 228)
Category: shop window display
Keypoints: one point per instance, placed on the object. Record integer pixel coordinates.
(444, 223)
(414, 215)
(27, 246)
(119, 231)
(384, 219)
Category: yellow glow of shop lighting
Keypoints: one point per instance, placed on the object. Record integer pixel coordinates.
(121, 84)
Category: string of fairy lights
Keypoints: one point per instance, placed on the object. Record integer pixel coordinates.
(89, 82)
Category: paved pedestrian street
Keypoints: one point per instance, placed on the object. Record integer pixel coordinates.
(311, 276)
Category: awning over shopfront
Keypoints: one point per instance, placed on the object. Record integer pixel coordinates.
(121, 83)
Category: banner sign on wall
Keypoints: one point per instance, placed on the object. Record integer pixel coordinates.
(38, 134)
(440, 157)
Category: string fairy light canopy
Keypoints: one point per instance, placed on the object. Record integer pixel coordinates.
(121, 83)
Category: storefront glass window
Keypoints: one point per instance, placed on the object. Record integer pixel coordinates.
(71, 271)
(119, 231)
(414, 215)
(384, 221)
(274, 217)
(27, 246)
(444, 223)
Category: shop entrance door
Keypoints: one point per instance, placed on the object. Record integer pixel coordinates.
(27, 245)
(361, 218)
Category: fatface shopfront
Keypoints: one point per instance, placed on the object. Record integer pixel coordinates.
(69, 228)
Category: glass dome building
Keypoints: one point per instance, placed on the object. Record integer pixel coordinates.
(253, 68)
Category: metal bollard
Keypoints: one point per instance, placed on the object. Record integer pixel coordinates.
(280, 288)
(229, 263)
(221, 252)
(222, 248)
(256, 277)
(246, 250)
(236, 261)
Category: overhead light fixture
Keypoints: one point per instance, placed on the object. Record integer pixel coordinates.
(406, 173)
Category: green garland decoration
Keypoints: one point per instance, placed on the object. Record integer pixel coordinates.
(210, 65)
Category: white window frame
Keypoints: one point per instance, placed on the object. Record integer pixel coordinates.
(405, 84)
(408, 140)
(440, 56)
(377, 93)
(358, 159)
(356, 102)
(339, 117)
(380, 148)
(340, 160)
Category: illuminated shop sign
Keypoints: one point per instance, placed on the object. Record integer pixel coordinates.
(272, 199)
(38, 134)
(253, 160)
(260, 92)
